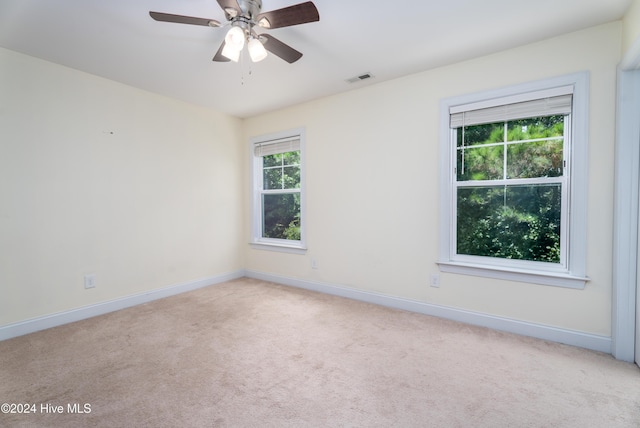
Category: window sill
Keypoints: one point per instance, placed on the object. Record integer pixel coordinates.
(521, 275)
(282, 248)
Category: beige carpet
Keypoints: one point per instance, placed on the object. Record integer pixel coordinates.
(253, 354)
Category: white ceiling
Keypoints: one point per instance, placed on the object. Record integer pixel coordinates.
(118, 40)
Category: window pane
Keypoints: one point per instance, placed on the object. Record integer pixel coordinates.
(481, 134)
(536, 127)
(291, 176)
(480, 163)
(272, 178)
(281, 216)
(512, 222)
(535, 159)
(291, 158)
(272, 160)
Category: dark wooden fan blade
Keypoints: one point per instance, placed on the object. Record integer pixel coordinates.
(292, 15)
(181, 19)
(280, 49)
(219, 57)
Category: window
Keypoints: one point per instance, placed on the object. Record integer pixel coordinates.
(513, 183)
(278, 208)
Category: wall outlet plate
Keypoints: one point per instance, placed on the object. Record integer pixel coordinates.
(90, 281)
(435, 280)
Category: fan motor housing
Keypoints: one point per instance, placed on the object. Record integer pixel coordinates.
(250, 8)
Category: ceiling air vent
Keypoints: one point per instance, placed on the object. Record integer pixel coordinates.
(361, 77)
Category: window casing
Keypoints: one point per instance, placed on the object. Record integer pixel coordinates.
(278, 192)
(513, 183)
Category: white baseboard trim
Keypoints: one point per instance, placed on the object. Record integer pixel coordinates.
(41, 323)
(554, 334)
(569, 337)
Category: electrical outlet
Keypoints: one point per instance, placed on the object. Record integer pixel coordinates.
(314, 263)
(435, 280)
(90, 281)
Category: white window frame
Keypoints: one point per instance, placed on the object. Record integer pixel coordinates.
(571, 272)
(257, 241)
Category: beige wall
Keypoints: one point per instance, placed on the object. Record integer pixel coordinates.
(372, 185)
(100, 178)
(631, 27)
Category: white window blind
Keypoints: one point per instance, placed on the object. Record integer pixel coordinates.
(274, 147)
(544, 103)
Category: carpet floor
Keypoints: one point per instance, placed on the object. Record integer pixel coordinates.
(248, 353)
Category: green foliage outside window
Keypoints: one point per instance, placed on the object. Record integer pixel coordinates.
(513, 221)
(281, 210)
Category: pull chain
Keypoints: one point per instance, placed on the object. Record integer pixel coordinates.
(244, 65)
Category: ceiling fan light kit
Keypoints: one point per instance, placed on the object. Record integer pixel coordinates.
(242, 17)
(256, 49)
(233, 43)
(230, 53)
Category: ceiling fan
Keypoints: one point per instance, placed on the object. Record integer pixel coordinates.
(242, 16)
